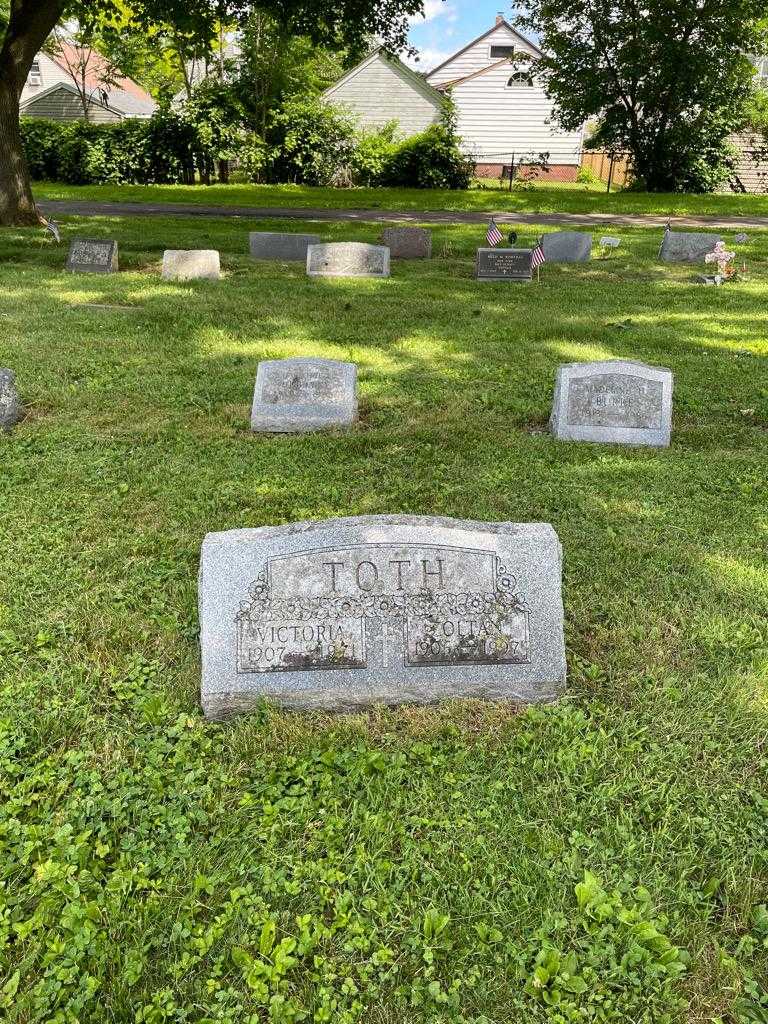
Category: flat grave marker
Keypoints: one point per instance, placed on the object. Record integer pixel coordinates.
(407, 243)
(347, 259)
(11, 409)
(686, 246)
(284, 246)
(345, 614)
(615, 401)
(567, 246)
(504, 264)
(609, 242)
(191, 265)
(92, 256)
(303, 394)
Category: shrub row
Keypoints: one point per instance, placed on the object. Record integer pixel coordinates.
(308, 142)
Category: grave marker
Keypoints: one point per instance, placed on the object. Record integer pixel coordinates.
(348, 613)
(280, 245)
(610, 242)
(567, 247)
(191, 265)
(347, 259)
(615, 401)
(408, 243)
(92, 256)
(296, 395)
(504, 264)
(686, 246)
(11, 409)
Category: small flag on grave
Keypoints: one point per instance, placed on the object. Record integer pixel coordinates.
(53, 229)
(537, 256)
(493, 236)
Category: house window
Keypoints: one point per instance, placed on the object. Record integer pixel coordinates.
(522, 79)
(497, 52)
(34, 77)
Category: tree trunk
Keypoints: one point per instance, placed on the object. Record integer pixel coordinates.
(30, 23)
(16, 203)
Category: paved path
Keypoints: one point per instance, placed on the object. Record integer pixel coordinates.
(85, 208)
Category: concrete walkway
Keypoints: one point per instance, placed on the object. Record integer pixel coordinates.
(85, 208)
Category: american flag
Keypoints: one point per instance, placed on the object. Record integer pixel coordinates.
(493, 236)
(537, 256)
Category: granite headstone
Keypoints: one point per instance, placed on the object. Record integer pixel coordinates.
(347, 259)
(92, 256)
(615, 401)
(567, 246)
(348, 613)
(686, 246)
(191, 265)
(408, 243)
(504, 264)
(280, 245)
(11, 409)
(295, 395)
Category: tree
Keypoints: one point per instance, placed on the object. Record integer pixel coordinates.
(30, 22)
(667, 80)
(90, 72)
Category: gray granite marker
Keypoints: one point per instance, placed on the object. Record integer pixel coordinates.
(615, 401)
(347, 259)
(11, 409)
(348, 613)
(191, 265)
(92, 256)
(295, 395)
(567, 246)
(408, 243)
(686, 246)
(280, 245)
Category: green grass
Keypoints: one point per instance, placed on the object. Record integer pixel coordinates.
(539, 199)
(600, 860)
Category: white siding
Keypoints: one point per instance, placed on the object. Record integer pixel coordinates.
(478, 55)
(496, 121)
(50, 74)
(379, 92)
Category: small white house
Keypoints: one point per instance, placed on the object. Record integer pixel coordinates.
(381, 89)
(503, 113)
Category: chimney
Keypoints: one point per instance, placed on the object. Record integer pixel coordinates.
(499, 17)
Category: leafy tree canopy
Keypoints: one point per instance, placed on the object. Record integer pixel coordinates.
(666, 80)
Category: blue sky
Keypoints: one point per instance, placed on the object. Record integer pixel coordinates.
(447, 25)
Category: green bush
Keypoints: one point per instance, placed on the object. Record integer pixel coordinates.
(312, 142)
(373, 150)
(161, 150)
(431, 159)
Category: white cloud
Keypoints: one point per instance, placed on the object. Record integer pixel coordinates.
(434, 9)
(428, 58)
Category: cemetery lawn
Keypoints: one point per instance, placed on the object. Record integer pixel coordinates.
(599, 860)
(489, 197)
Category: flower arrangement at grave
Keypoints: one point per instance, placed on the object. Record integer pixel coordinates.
(724, 260)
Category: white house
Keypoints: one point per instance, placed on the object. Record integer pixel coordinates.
(503, 113)
(50, 91)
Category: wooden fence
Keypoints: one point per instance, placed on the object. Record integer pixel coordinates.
(614, 170)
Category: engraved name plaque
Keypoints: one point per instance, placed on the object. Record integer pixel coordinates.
(613, 401)
(92, 256)
(349, 613)
(504, 265)
(295, 395)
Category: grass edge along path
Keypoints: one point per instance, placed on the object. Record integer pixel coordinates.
(540, 199)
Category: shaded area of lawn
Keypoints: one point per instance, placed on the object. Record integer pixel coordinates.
(537, 199)
(413, 865)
